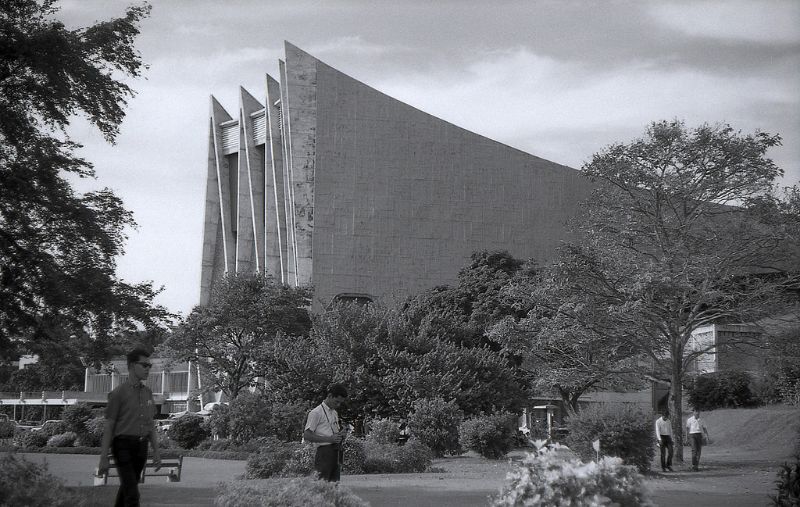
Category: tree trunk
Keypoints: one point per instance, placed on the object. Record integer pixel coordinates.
(676, 406)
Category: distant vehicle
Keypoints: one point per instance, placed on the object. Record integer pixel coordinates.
(49, 422)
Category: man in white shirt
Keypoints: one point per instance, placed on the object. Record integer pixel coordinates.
(695, 427)
(324, 430)
(664, 439)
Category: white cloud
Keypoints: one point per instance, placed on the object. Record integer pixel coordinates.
(762, 21)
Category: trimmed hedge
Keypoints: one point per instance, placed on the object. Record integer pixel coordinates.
(63, 440)
(30, 439)
(721, 389)
(491, 436)
(624, 431)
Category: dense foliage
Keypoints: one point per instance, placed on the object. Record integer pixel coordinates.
(295, 493)
(624, 431)
(62, 440)
(232, 337)
(188, 431)
(491, 436)
(383, 431)
(29, 484)
(721, 389)
(435, 422)
(550, 477)
(59, 292)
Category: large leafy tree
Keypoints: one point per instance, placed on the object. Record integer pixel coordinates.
(232, 338)
(569, 344)
(685, 229)
(58, 247)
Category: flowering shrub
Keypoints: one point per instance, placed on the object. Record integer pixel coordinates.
(383, 431)
(552, 477)
(63, 440)
(188, 431)
(624, 431)
(295, 493)
(435, 423)
(491, 436)
(29, 484)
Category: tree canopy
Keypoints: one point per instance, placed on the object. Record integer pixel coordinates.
(685, 229)
(232, 338)
(58, 247)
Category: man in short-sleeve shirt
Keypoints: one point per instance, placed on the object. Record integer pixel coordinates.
(695, 427)
(325, 431)
(129, 427)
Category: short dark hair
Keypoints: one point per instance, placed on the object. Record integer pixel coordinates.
(135, 354)
(337, 390)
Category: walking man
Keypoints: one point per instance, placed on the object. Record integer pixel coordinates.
(664, 439)
(129, 427)
(324, 430)
(696, 427)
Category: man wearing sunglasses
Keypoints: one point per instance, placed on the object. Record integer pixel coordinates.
(129, 427)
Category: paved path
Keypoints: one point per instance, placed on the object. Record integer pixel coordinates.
(722, 483)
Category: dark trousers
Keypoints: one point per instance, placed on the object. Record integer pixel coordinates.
(130, 455)
(696, 441)
(328, 462)
(666, 452)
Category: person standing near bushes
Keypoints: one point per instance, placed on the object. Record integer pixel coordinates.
(325, 431)
(695, 428)
(664, 439)
(129, 427)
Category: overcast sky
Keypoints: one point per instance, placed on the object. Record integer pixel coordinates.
(558, 79)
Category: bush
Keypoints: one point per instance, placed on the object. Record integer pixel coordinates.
(624, 431)
(93, 434)
(295, 493)
(301, 462)
(435, 423)
(788, 485)
(51, 428)
(355, 453)
(76, 416)
(63, 440)
(721, 389)
(270, 459)
(287, 420)
(384, 431)
(30, 439)
(247, 417)
(399, 459)
(549, 477)
(491, 436)
(7, 428)
(188, 431)
(218, 423)
(29, 484)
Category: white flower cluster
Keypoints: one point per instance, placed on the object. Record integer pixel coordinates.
(552, 476)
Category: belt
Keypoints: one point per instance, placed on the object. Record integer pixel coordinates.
(133, 437)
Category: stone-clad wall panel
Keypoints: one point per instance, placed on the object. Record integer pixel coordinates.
(403, 198)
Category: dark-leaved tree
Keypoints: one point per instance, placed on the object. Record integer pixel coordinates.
(58, 247)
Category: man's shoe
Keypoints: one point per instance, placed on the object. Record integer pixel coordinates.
(670, 469)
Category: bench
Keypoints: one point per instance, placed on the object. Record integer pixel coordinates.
(170, 468)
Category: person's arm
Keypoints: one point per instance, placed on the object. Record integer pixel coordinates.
(336, 438)
(105, 446)
(658, 434)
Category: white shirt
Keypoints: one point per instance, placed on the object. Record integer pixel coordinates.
(695, 425)
(323, 421)
(663, 428)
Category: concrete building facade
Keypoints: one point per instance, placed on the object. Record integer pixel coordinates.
(324, 180)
